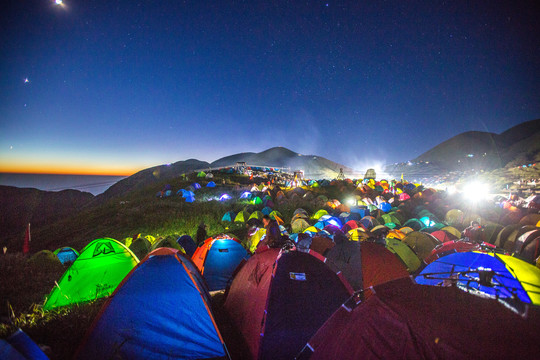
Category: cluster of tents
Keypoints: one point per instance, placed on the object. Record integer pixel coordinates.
(188, 194)
(396, 272)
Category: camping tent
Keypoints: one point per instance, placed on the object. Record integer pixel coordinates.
(98, 270)
(217, 260)
(492, 274)
(404, 252)
(169, 242)
(140, 247)
(66, 255)
(365, 264)
(228, 216)
(20, 346)
(401, 320)
(160, 311)
(299, 225)
(421, 243)
(279, 299)
(187, 243)
(242, 216)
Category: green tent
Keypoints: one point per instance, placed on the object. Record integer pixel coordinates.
(256, 215)
(242, 216)
(320, 214)
(405, 253)
(170, 242)
(299, 225)
(201, 174)
(140, 247)
(275, 213)
(96, 273)
(421, 243)
(256, 201)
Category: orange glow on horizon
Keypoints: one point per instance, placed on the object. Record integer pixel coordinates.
(68, 170)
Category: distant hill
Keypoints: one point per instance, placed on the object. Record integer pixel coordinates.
(484, 150)
(21, 206)
(152, 175)
(313, 166)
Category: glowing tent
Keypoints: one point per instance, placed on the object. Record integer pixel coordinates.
(217, 259)
(98, 270)
(165, 289)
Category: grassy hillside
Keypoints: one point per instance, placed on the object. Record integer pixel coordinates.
(22, 206)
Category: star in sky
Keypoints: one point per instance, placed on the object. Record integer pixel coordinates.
(26, 80)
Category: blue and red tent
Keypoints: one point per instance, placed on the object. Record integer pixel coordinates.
(160, 311)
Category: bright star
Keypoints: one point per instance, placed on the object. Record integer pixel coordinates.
(26, 80)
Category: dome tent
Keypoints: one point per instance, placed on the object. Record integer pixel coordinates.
(98, 270)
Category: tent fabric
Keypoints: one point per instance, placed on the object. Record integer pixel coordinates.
(255, 238)
(404, 253)
(169, 242)
(9, 352)
(98, 270)
(421, 243)
(166, 289)
(242, 216)
(140, 247)
(229, 216)
(443, 236)
(510, 275)
(299, 225)
(450, 247)
(527, 246)
(187, 243)
(66, 255)
(211, 184)
(21, 345)
(365, 264)
(217, 259)
(256, 215)
(320, 214)
(279, 299)
(401, 320)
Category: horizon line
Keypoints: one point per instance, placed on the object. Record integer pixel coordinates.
(63, 173)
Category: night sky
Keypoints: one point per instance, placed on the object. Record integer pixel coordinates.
(117, 86)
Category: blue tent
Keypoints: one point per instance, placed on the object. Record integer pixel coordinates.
(9, 352)
(266, 210)
(246, 195)
(229, 216)
(168, 193)
(160, 311)
(211, 184)
(20, 346)
(187, 243)
(187, 193)
(196, 186)
(66, 255)
(495, 275)
(190, 199)
(217, 259)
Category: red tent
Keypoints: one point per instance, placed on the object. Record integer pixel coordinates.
(365, 264)
(402, 320)
(279, 299)
(443, 236)
(450, 247)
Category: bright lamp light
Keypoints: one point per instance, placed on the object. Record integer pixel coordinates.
(476, 191)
